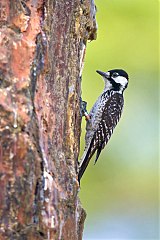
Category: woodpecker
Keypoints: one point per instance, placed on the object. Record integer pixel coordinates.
(103, 116)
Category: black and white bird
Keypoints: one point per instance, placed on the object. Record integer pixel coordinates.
(103, 116)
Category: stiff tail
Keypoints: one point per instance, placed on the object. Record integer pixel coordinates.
(85, 161)
(83, 165)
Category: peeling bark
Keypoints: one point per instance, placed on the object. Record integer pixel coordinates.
(42, 47)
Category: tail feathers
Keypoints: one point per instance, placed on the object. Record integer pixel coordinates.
(88, 153)
(84, 162)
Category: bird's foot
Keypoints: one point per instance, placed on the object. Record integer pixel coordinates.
(83, 109)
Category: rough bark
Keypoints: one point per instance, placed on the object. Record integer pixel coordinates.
(42, 45)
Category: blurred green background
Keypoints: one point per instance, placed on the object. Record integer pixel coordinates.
(120, 193)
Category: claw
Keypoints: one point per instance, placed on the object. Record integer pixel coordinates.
(83, 110)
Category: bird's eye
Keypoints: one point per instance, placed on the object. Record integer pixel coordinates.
(115, 74)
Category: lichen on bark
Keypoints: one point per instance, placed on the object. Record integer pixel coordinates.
(42, 45)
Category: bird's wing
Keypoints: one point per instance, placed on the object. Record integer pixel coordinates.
(110, 117)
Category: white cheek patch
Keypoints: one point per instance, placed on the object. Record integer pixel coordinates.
(122, 80)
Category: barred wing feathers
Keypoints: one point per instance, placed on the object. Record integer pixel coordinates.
(111, 114)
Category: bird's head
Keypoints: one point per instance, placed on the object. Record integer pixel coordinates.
(116, 79)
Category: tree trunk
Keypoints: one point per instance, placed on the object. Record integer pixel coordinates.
(42, 45)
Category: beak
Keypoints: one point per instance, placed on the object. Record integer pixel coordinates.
(103, 74)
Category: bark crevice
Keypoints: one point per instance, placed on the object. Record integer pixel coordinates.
(42, 45)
